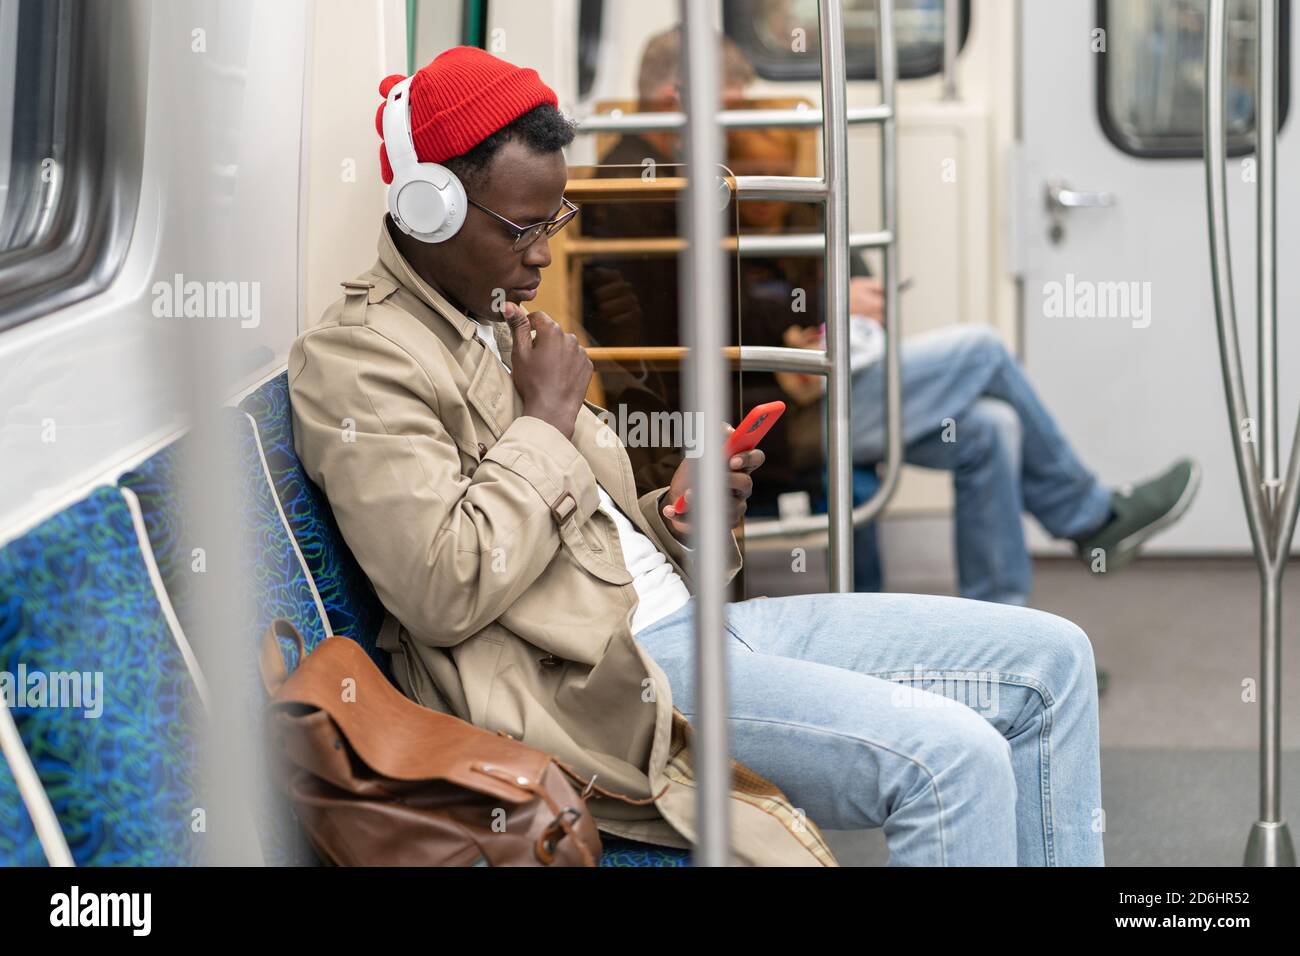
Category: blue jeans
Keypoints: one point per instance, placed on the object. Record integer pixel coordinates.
(968, 408)
(967, 731)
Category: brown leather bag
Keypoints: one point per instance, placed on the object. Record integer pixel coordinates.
(376, 779)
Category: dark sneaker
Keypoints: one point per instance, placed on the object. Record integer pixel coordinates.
(1138, 513)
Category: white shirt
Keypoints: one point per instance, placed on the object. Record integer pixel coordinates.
(659, 589)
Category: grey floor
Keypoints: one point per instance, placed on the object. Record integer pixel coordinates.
(1178, 638)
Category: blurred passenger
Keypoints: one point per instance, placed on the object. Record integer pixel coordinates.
(968, 408)
(634, 302)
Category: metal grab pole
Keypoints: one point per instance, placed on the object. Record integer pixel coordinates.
(1271, 522)
(1266, 239)
(951, 41)
(703, 298)
(835, 170)
(887, 70)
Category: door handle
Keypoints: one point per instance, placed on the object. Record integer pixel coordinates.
(1060, 197)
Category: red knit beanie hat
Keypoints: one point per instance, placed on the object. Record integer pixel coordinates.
(460, 99)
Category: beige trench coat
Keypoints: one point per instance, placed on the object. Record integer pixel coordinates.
(508, 599)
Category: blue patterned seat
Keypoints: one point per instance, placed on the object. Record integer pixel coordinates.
(79, 599)
(354, 610)
(156, 483)
(277, 584)
(18, 843)
(277, 579)
(620, 852)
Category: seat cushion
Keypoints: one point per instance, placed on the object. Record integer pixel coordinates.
(276, 586)
(19, 845)
(350, 602)
(157, 486)
(277, 581)
(79, 599)
(620, 852)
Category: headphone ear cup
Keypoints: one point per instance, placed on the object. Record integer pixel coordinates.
(428, 202)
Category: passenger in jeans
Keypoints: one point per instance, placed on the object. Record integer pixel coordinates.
(530, 590)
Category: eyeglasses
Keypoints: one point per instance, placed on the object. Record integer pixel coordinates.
(525, 236)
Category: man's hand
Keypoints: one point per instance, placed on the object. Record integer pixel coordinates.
(739, 484)
(803, 389)
(618, 310)
(550, 369)
(867, 297)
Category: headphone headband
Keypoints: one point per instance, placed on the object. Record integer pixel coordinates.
(399, 141)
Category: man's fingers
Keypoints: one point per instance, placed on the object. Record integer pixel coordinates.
(670, 502)
(515, 317)
(740, 484)
(617, 289)
(747, 461)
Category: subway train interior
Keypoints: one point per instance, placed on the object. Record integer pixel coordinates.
(993, 292)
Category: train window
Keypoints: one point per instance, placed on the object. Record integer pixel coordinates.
(1151, 78)
(34, 104)
(71, 110)
(780, 37)
(436, 25)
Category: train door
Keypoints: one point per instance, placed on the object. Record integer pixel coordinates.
(1117, 305)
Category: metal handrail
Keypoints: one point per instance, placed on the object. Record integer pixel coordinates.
(747, 247)
(1270, 503)
(761, 358)
(668, 120)
(810, 244)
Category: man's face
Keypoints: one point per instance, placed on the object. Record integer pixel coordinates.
(477, 267)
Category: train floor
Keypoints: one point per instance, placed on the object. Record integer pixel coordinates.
(1176, 638)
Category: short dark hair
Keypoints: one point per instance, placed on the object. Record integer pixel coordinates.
(543, 129)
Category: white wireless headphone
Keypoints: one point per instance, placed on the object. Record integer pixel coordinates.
(426, 200)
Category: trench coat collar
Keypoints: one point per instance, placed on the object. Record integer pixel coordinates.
(404, 275)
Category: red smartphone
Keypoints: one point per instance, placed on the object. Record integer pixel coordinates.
(745, 438)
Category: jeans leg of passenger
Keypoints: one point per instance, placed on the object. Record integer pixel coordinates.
(1028, 674)
(1065, 497)
(868, 575)
(935, 776)
(982, 449)
(943, 373)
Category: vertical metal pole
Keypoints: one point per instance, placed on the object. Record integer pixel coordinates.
(1270, 843)
(835, 170)
(1221, 274)
(1270, 528)
(1266, 238)
(704, 306)
(951, 41)
(887, 71)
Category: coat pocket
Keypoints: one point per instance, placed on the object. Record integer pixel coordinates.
(598, 565)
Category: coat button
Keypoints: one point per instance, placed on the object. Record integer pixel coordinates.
(482, 449)
(550, 661)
